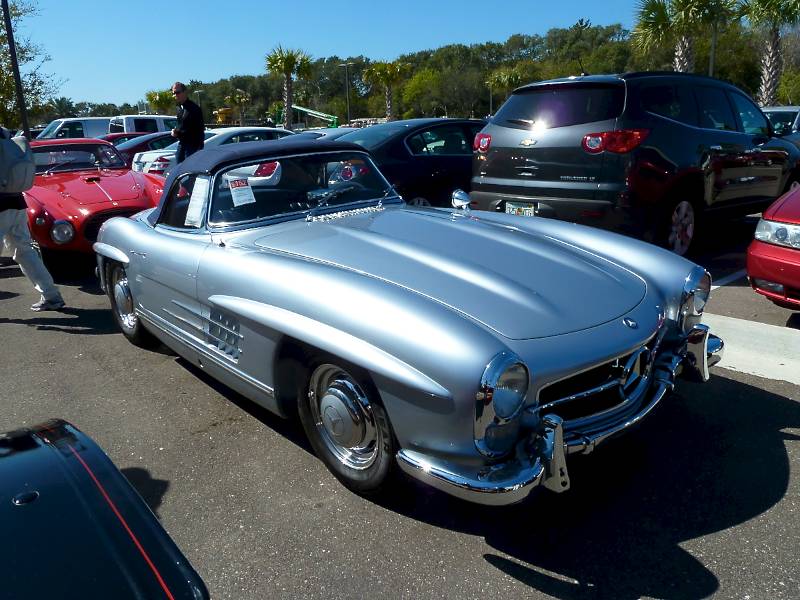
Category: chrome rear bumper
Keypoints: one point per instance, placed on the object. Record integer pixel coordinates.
(540, 459)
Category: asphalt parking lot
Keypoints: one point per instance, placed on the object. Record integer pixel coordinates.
(701, 501)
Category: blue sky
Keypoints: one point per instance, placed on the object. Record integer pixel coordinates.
(114, 51)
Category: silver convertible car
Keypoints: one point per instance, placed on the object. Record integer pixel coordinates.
(473, 350)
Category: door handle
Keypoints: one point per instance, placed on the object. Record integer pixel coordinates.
(715, 148)
(142, 254)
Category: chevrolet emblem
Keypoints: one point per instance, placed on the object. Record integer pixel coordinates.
(527, 142)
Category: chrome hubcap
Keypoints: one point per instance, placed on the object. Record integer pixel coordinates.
(343, 417)
(682, 231)
(123, 301)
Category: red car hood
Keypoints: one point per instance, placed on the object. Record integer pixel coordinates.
(786, 209)
(85, 188)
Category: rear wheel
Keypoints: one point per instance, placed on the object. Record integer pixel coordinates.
(348, 427)
(122, 307)
(679, 227)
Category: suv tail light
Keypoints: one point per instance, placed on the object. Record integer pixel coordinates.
(618, 141)
(482, 142)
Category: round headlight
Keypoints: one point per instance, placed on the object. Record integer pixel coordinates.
(499, 403)
(62, 232)
(696, 291)
(510, 390)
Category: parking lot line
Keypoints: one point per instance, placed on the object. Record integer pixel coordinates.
(729, 279)
(758, 349)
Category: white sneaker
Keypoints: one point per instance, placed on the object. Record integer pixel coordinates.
(45, 304)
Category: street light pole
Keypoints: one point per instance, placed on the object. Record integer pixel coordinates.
(12, 47)
(347, 87)
(199, 102)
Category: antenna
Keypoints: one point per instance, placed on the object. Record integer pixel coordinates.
(583, 71)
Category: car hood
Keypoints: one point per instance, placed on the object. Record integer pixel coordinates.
(519, 284)
(86, 188)
(786, 209)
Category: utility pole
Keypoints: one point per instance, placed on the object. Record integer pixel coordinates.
(347, 87)
(15, 67)
(199, 102)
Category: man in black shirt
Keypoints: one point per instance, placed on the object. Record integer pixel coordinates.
(16, 238)
(190, 127)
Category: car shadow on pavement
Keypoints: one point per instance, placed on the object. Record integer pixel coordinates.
(83, 321)
(151, 490)
(794, 320)
(288, 428)
(695, 468)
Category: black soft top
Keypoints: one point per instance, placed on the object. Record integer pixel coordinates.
(209, 160)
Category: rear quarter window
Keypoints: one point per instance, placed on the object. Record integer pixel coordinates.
(669, 100)
(561, 106)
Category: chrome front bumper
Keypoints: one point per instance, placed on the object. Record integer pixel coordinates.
(540, 459)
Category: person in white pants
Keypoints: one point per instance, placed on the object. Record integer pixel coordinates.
(17, 241)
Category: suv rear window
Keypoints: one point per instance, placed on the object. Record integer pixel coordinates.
(561, 105)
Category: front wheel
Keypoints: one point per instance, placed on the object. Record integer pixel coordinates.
(348, 427)
(122, 307)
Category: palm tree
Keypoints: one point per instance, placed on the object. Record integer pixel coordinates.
(771, 15)
(661, 22)
(239, 99)
(503, 79)
(288, 62)
(161, 102)
(388, 75)
(63, 107)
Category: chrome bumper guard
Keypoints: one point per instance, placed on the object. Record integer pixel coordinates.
(540, 459)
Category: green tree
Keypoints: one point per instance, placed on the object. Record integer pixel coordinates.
(387, 75)
(420, 93)
(288, 63)
(771, 15)
(162, 102)
(789, 88)
(62, 107)
(662, 22)
(240, 100)
(37, 85)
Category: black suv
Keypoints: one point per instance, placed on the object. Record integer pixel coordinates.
(648, 154)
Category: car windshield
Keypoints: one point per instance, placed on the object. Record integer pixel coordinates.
(374, 136)
(296, 185)
(74, 157)
(49, 131)
(781, 118)
(142, 139)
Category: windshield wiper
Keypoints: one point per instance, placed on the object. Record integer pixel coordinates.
(521, 121)
(61, 164)
(324, 197)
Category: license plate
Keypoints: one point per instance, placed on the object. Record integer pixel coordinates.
(523, 209)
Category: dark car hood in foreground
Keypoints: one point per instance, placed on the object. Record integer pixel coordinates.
(519, 284)
(73, 527)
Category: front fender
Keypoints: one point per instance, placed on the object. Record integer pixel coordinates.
(331, 340)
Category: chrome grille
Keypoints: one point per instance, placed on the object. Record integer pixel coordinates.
(603, 388)
(91, 226)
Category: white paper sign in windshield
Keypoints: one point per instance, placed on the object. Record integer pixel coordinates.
(241, 192)
(194, 214)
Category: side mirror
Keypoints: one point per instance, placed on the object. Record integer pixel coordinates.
(460, 199)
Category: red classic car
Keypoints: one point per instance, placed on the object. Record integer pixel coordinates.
(79, 184)
(773, 258)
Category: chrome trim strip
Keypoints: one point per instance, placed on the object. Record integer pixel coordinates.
(183, 320)
(596, 390)
(204, 349)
